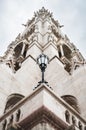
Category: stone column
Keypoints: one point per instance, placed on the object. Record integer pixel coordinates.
(23, 48)
(61, 49)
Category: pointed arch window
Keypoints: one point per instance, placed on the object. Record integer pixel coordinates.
(12, 100)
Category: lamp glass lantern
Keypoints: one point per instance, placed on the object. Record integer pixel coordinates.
(42, 61)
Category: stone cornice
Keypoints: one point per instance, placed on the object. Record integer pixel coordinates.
(38, 91)
(42, 48)
(43, 115)
(28, 57)
(56, 58)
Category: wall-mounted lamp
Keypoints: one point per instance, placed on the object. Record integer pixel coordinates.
(42, 61)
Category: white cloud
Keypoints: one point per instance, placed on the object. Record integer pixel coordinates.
(71, 13)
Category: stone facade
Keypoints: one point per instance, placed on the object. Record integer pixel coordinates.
(20, 75)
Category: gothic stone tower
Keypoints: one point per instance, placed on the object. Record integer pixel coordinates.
(57, 106)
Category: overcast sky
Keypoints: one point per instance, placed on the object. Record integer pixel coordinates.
(70, 13)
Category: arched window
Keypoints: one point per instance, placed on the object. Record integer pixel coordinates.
(12, 100)
(19, 54)
(67, 52)
(18, 49)
(72, 101)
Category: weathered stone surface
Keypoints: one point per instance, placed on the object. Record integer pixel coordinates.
(65, 73)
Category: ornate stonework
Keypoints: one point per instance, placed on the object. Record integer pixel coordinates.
(61, 106)
(43, 26)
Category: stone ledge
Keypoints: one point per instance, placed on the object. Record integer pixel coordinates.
(44, 104)
(42, 115)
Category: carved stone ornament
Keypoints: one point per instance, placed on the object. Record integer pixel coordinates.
(29, 22)
(55, 32)
(43, 13)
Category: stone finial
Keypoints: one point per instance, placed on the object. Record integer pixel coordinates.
(42, 13)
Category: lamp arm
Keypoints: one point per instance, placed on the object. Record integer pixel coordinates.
(43, 76)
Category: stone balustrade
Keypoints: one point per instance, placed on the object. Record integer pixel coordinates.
(42, 100)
